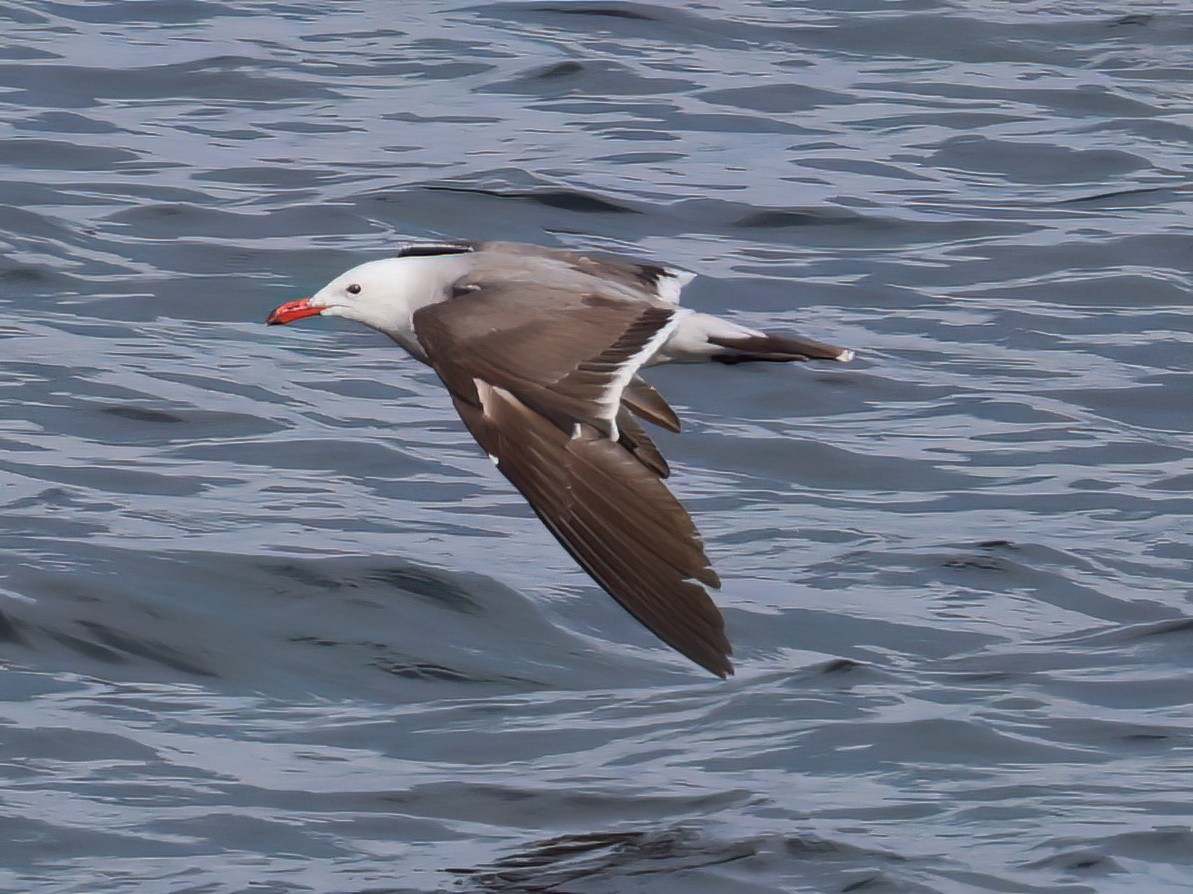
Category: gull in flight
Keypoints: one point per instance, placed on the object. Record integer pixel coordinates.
(541, 350)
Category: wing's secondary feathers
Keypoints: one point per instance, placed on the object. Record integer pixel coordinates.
(566, 353)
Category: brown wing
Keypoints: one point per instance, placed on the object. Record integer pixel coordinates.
(613, 515)
(532, 393)
(565, 353)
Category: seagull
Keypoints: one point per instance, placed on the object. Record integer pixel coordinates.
(541, 350)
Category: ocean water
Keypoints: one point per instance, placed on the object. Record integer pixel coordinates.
(270, 622)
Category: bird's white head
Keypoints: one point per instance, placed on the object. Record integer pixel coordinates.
(378, 294)
(382, 294)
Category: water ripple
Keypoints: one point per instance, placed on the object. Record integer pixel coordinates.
(269, 621)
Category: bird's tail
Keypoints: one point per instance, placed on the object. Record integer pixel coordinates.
(769, 346)
(701, 337)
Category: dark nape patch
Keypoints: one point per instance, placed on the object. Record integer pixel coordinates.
(429, 249)
(141, 414)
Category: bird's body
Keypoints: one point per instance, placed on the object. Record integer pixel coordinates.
(540, 350)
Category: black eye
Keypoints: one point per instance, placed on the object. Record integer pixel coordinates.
(354, 289)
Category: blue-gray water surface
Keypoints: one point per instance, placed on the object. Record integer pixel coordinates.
(270, 622)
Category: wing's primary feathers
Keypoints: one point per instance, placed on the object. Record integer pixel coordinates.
(539, 377)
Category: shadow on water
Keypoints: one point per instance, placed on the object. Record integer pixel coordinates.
(956, 572)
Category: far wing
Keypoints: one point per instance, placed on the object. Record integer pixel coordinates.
(637, 275)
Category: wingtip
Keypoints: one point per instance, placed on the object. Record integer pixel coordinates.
(720, 666)
(714, 657)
